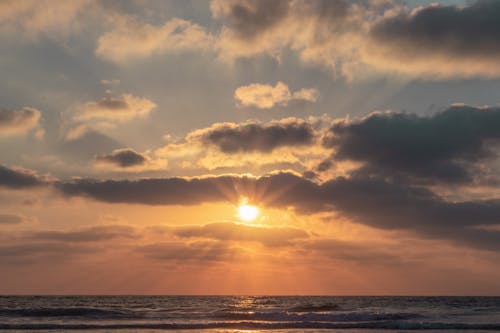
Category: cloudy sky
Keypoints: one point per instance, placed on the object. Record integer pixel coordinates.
(250, 146)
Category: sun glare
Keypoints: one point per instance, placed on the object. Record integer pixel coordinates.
(247, 212)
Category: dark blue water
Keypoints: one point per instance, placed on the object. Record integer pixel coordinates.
(257, 313)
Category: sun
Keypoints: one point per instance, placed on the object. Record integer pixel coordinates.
(247, 212)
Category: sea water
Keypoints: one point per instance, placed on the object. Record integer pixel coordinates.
(248, 313)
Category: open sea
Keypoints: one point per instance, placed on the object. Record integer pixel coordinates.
(248, 313)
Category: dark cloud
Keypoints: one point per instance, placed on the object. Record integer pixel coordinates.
(368, 200)
(11, 219)
(471, 31)
(156, 191)
(250, 18)
(18, 121)
(202, 251)
(19, 178)
(238, 232)
(442, 147)
(122, 158)
(232, 138)
(92, 234)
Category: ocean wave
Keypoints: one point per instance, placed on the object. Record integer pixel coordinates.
(223, 315)
(65, 312)
(249, 325)
(307, 317)
(315, 308)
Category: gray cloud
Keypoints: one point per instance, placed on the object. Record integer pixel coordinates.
(443, 147)
(248, 137)
(471, 31)
(360, 38)
(19, 178)
(250, 18)
(239, 232)
(157, 191)
(18, 121)
(123, 158)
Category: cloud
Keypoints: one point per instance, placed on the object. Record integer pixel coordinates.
(264, 96)
(127, 159)
(12, 219)
(249, 18)
(19, 121)
(360, 252)
(227, 231)
(372, 201)
(463, 40)
(155, 191)
(18, 178)
(89, 234)
(321, 32)
(27, 253)
(359, 39)
(131, 39)
(443, 147)
(76, 132)
(124, 107)
(253, 136)
(123, 158)
(251, 146)
(198, 251)
(33, 18)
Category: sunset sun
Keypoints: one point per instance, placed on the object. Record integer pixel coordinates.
(248, 212)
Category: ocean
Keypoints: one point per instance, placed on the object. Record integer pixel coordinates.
(140, 314)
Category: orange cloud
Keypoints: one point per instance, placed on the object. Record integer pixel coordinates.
(264, 96)
(32, 18)
(131, 39)
(19, 121)
(124, 107)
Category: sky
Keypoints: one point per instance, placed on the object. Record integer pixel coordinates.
(284, 147)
